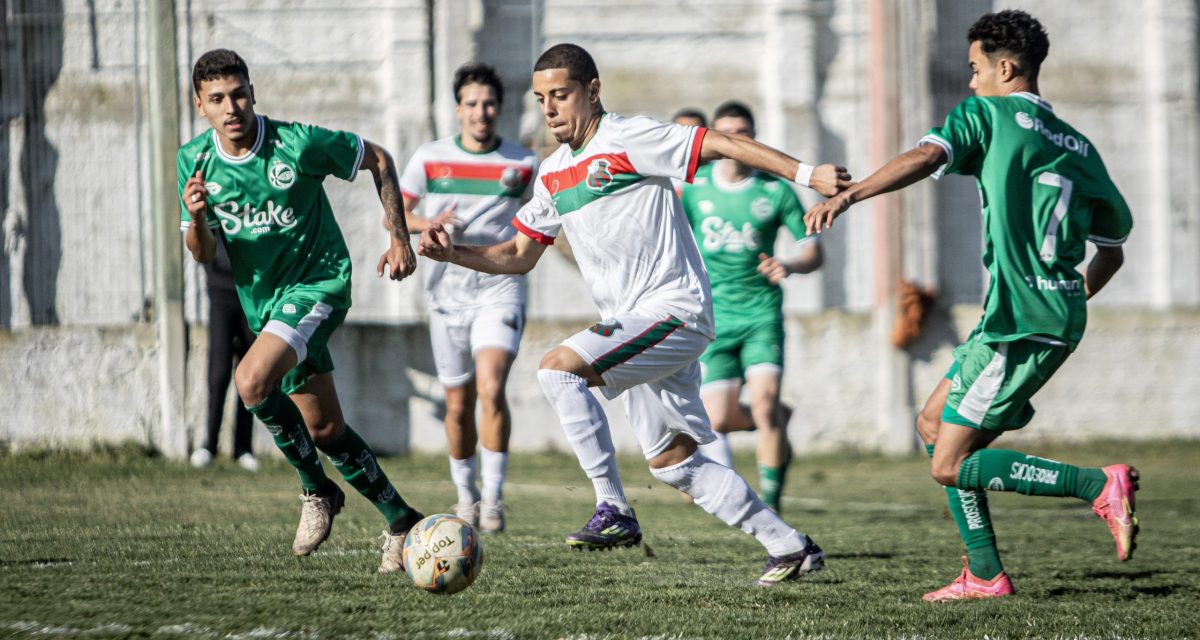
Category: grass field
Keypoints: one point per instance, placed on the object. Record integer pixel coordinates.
(117, 544)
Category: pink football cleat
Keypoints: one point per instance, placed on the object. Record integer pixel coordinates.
(1115, 505)
(968, 587)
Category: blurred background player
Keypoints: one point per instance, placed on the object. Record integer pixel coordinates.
(1045, 193)
(472, 183)
(608, 185)
(257, 182)
(229, 338)
(687, 117)
(736, 214)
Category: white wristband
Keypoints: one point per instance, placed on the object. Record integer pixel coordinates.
(803, 174)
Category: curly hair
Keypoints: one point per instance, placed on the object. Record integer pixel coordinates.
(1014, 32)
(477, 73)
(572, 57)
(218, 63)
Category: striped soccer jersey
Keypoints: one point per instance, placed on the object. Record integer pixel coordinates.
(628, 231)
(485, 190)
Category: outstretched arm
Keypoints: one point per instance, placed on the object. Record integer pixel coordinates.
(905, 169)
(1101, 269)
(826, 179)
(399, 258)
(515, 256)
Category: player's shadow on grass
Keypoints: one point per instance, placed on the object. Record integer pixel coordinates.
(861, 555)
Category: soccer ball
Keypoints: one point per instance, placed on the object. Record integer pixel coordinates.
(443, 554)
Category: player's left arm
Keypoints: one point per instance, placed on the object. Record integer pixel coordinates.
(775, 270)
(398, 259)
(1103, 266)
(826, 179)
(910, 167)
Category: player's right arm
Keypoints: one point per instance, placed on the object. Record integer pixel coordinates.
(825, 179)
(515, 256)
(907, 168)
(199, 238)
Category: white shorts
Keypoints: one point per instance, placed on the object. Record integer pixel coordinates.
(458, 336)
(654, 363)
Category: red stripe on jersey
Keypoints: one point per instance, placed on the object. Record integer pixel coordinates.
(541, 238)
(410, 196)
(472, 171)
(570, 177)
(694, 160)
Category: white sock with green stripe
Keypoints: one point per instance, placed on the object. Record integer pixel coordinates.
(586, 428)
(720, 491)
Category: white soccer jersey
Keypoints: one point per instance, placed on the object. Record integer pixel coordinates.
(486, 190)
(627, 228)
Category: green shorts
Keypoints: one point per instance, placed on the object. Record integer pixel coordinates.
(991, 384)
(305, 324)
(739, 347)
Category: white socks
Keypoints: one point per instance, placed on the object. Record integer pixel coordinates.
(720, 491)
(495, 468)
(462, 472)
(586, 428)
(718, 450)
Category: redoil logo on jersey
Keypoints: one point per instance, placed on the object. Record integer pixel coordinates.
(1059, 139)
(234, 217)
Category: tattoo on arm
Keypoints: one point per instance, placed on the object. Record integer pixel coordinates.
(393, 203)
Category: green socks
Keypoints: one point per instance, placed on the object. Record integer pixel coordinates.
(970, 512)
(286, 425)
(770, 482)
(1004, 470)
(357, 464)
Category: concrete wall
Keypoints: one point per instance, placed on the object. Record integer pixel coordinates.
(75, 251)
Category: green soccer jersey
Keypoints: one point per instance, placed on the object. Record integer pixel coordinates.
(1045, 192)
(733, 224)
(272, 210)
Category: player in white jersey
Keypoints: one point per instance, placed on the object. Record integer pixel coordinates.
(609, 187)
(473, 183)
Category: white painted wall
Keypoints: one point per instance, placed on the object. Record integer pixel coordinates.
(1125, 74)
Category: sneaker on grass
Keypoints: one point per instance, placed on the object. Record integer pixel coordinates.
(316, 519)
(968, 587)
(608, 529)
(792, 566)
(491, 516)
(1116, 506)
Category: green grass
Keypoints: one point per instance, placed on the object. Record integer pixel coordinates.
(118, 544)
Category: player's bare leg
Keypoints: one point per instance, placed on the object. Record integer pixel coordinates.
(774, 451)
(461, 438)
(565, 379)
(492, 366)
(721, 402)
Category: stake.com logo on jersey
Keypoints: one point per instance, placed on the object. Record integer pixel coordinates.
(234, 217)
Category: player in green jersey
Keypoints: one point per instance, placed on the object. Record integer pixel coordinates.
(255, 184)
(736, 214)
(1045, 192)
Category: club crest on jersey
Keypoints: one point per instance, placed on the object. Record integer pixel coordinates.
(761, 208)
(212, 188)
(281, 176)
(606, 328)
(598, 175)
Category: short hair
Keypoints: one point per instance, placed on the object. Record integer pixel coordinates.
(689, 112)
(1015, 32)
(734, 109)
(477, 73)
(572, 57)
(218, 63)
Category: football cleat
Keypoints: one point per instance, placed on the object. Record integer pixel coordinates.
(792, 566)
(201, 458)
(393, 544)
(491, 516)
(1116, 506)
(967, 587)
(468, 511)
(316, 520)
(608, 529)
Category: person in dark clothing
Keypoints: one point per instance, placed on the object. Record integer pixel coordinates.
(229, 337)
